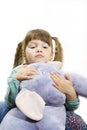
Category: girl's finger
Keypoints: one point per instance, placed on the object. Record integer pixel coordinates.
(68, 77)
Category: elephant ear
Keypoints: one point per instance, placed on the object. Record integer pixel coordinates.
(31, 104)
(58, 64)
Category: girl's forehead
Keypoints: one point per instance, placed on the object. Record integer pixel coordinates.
(37, 42)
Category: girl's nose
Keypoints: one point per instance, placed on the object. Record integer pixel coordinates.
(39, 49)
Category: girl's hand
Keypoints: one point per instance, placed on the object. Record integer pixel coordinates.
(26, 72)
(64, 85)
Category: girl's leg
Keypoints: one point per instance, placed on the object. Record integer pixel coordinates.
(74, 122)
(3, 110)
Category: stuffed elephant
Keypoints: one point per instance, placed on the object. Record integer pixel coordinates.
(41, 101)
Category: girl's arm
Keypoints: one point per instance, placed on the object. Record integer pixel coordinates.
(12, 89)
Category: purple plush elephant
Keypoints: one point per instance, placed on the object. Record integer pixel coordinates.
(49, 100)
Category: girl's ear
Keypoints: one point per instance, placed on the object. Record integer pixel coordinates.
(52, 56)
(24, 57)
(53, 50)
(58, 50)
(23, 54)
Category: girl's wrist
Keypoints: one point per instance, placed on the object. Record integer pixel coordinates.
(71, 97)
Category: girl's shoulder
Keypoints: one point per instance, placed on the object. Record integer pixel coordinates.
(19, 66)
(16, 69)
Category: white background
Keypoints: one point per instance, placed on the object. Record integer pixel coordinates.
(66, 19)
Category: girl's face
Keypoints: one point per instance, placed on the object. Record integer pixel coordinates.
(38, 51)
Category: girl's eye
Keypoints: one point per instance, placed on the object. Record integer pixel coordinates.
(45, 46)
(32, 47)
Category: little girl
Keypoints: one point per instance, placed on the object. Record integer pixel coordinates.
(36, 47)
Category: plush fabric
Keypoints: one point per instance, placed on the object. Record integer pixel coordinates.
(31, 104)
(42, 84)
(43, 81)
(54, 113)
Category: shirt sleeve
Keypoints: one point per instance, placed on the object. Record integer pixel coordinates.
(12, 89)
(72, 105)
